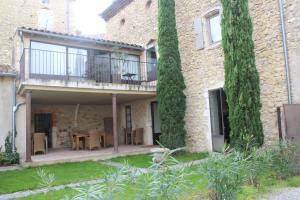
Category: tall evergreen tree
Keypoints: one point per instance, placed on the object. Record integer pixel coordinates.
(171, 99)
(241, 76)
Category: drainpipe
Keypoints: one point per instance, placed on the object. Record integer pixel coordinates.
(15, 109)
(285, 50)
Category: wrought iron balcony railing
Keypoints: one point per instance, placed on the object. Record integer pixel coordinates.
(106, 68)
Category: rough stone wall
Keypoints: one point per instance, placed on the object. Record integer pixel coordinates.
(203, 69)
(292, 15)
(140, 23)
(141, 118)
(63, 116)
(16, 13)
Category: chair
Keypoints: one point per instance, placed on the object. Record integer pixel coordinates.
(138, 135)
(109, 139)
(73, 141)
(39, 143)
(93, 140)
(128, 135)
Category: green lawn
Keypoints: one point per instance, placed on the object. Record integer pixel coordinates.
(25, 179)
(197, 190)
(130, 189)
(144, 161)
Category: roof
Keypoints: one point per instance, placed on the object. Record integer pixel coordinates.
(79, 38)
(114, 8)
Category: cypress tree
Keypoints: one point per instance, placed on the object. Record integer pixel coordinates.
(241, 76)
(171, 99)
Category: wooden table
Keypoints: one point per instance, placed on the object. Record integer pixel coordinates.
(77, 138)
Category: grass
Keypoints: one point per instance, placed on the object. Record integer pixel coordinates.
(197, 190)
(267, 185)
(130, 190)
(144, 161)
(26, 179)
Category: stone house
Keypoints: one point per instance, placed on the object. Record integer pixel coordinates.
(56, 81)
(276, 36)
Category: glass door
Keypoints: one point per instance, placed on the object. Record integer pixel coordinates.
(155, 122)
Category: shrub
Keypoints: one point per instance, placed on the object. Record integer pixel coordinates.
(225, 174)
(8, 157)
(283, 159)
(170, 85)
(241, 76)
(163, 182)
(257, 166)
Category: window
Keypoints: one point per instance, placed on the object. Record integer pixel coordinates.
(148, 4)
(214, 27)
(123, 64)
(77, 62)
(122, 22)
(128, 117)
(151, 64)
(48, 59)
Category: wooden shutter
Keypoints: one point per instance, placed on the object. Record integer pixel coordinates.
(199, 33)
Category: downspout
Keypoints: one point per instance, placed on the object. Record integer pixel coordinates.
(15, 109)
(15, 106)
(285, 50)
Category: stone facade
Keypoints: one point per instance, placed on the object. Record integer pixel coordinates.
(203, 69)
(63, 119)
(141, 118)
(32, 13)
(92, 117)
(140, 26)
(293, 39)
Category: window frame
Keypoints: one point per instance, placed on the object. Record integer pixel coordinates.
(209, 27)
(208, 43)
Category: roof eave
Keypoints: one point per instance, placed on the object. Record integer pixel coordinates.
(114, 8)
(81, 39)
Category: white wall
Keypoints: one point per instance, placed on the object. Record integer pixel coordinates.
(6, 104)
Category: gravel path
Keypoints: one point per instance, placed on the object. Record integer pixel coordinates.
(284, 194)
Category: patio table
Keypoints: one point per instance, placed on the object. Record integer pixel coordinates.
(77, 137)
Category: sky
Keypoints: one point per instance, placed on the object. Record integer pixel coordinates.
(87, 19)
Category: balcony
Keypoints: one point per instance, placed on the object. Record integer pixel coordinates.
(76, 65)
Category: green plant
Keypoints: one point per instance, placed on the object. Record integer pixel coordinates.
(8, 157)
(241, 76)
(283, 158)
(257, 166)
(170, 86)
(110, 188)
(46, 181)
(164, 182)
(225, 174)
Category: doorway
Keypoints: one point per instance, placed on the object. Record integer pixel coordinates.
(219, 118)
(155, 122)
(43, 124)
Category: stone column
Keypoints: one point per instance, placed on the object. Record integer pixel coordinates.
(115, 128)
(28, 126)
